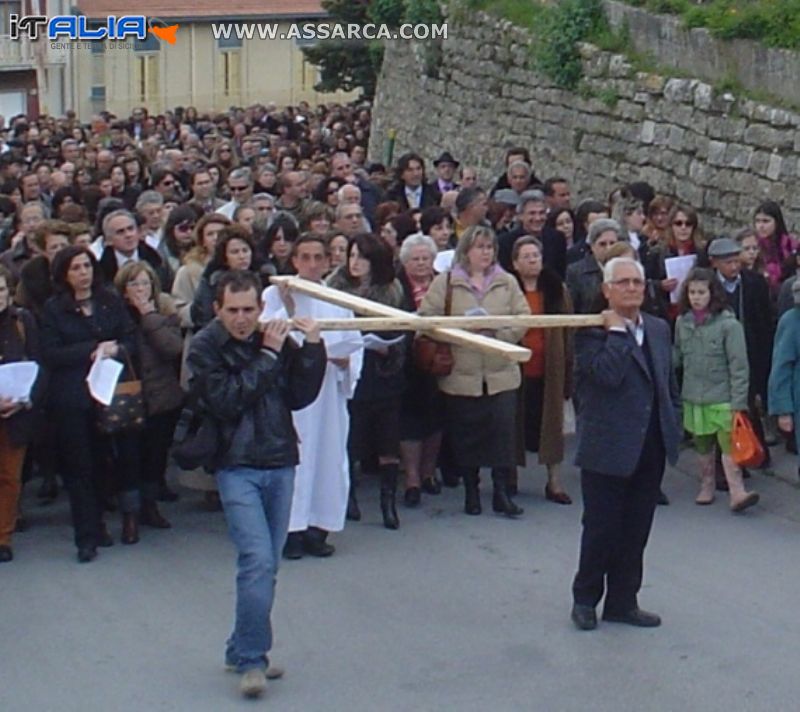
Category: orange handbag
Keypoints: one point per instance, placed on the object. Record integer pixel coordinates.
(746, 448)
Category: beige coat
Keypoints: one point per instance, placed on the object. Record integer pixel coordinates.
(471, 368)
(184, 287)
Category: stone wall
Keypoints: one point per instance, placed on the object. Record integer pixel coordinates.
(669, 43)
(719, 153)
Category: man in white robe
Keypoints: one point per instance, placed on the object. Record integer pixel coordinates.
(322, 480)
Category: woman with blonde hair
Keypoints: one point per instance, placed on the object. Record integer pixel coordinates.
(481, 390)
(159, 345)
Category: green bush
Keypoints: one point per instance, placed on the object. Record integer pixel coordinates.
(775, 23)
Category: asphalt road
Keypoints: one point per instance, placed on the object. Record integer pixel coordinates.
(449, 612)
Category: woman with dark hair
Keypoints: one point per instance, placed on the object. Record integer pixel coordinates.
(657, 224)
(776, 243)
(120, 187)
(398, 229)
(135, 172)
(563, 220)
(276, 248)
(586, 213)
(317, 218)
(82, 322)
(481, 391)
(437, 224)
(328, 191)
(711, 356)
(547, 376)
(179, 234)
(682, 236)
(234, 251)
(375, 406)
(160, 344)
(67, 195)
(411, 189)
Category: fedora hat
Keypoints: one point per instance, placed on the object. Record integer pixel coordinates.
(446, 158)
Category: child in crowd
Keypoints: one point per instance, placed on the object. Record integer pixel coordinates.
(711, 355)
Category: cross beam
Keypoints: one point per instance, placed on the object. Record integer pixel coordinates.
(426, 323)
(359, 305)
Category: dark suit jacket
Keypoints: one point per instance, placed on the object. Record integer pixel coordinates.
(554, 249)
(614, 397)
(583, 281)
(430, 197)
(108, 265)
(758, 319)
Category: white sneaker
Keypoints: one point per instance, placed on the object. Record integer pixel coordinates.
(253, 683)
(273, 672)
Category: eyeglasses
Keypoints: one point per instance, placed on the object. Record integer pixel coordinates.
(628, 282)
(140, 283)
(682, 223)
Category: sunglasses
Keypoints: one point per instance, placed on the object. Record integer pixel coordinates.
(682, 223)
(239, 188)
(185, 225)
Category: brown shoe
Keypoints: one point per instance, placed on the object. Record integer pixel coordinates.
(130, 528)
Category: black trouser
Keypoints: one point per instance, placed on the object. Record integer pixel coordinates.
(617, 517)
(156, 439)
(79, 448)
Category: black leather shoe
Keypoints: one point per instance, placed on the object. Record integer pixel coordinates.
(584, 617)
(86, 554)
(315, 542)
(636, 616)
(412, 497)
(503, 504)
(6, 554)
(293, 549)
(430, 485)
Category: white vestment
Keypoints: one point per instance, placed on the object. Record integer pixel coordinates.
(322, 481)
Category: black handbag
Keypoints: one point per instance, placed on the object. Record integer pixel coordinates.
(126, 410)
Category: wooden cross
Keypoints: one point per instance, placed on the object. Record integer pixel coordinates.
(448, 329)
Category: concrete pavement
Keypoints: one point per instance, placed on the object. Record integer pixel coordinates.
(449, 612)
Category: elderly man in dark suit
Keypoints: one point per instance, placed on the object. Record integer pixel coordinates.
(628, 424)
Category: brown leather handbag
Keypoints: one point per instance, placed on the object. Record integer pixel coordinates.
(431, 356)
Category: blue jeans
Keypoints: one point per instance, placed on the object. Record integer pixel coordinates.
(257, 505)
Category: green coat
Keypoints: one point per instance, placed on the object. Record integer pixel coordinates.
(713, 359)
(784, 379)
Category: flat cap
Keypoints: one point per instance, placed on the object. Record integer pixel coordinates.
(724, 247)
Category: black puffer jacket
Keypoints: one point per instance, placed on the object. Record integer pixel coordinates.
(251, 392)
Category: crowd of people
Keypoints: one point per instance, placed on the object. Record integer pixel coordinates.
(132, 237)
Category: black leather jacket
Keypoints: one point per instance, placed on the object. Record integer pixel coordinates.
(251, 392)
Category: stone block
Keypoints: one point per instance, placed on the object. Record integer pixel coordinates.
(648, 133)
(641, 97)
(690, 194)
(619, 66)
(703, 95)
(675, 138)
(764, 136)
(716, 152)
(680, 90)
(774, 167)
(650, 83)
(781, 118)
(737, 155)
(759, 161)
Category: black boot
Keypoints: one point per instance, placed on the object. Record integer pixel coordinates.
(315, 544)
(501, 502)
(353, 510)
(293, 549)
(472, 493)
(389, 474)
